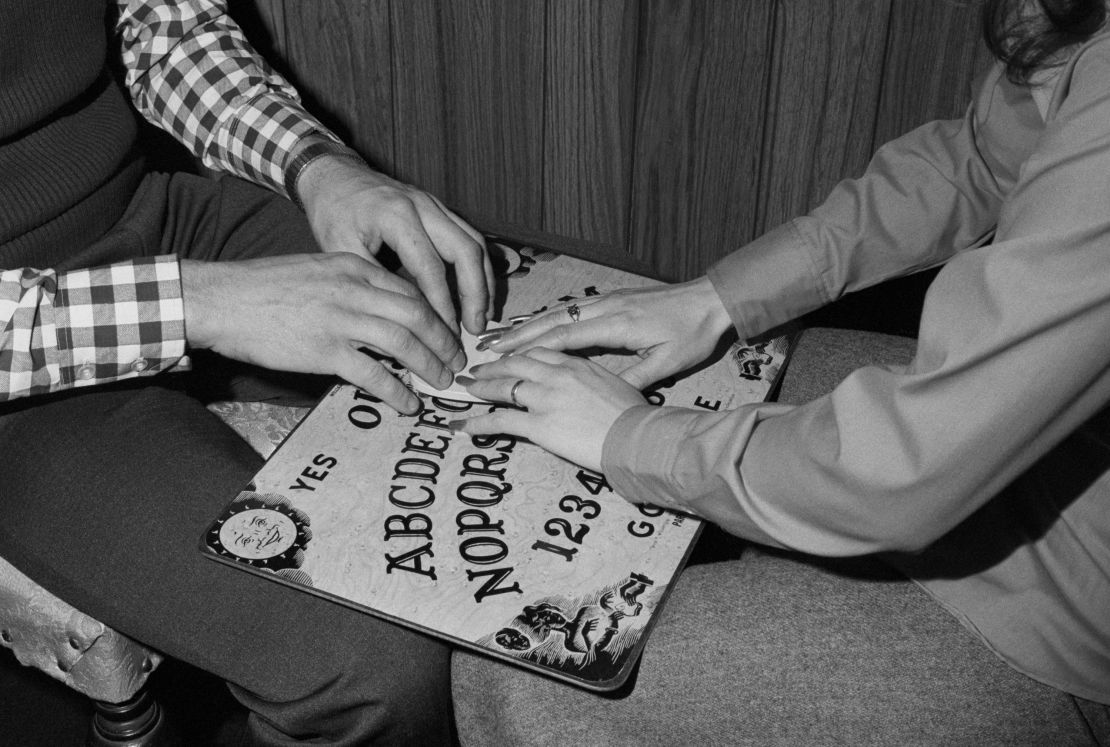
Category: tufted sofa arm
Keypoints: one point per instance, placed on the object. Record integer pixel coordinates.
(46, 633)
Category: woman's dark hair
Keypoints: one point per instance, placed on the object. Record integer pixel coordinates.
(1027, 41)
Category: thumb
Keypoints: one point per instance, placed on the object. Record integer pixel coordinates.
(645, 372)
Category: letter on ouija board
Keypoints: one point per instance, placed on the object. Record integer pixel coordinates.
(412, 561)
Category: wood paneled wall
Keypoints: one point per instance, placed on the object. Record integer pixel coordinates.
(661, 134)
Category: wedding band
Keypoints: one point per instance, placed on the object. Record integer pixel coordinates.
(575, 312)
(512, 393)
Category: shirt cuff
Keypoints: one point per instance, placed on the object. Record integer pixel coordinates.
(687, 461)
(120, 321)
(266, 132)
(768, 282)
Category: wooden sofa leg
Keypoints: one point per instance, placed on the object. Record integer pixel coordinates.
(136, 722)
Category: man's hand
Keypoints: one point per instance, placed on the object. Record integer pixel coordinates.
(312, 312)
(355, 209)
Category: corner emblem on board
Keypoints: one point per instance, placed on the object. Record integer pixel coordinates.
(261, 530)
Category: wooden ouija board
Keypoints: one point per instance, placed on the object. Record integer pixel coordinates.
(489, 542)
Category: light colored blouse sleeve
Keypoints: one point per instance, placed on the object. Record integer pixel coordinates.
(1012, 352)
(924, 197)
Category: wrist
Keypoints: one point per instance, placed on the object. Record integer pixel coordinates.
(712, 308)
(312, 151)
(196, 286)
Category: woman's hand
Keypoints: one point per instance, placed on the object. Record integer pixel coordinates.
(353, 208)
(671, 327)
(571, 403)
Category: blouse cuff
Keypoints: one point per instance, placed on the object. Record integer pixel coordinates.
(640, 452)
(768, 282)
(688, 461)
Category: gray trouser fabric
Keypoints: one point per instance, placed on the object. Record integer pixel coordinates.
(106, 494)
(775, 649)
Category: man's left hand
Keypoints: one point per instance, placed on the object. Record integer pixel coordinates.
(353, 208)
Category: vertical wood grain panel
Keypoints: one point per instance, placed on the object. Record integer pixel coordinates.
(934, 52)
(824, 94)
(420, 118)
(478, 141)
(590, 77)
(674, 130)
(701, 90)
(340, 52)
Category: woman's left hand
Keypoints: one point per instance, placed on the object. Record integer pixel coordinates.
(570, 403)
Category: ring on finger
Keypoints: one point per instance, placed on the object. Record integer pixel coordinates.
(512, 394)
(574, 312)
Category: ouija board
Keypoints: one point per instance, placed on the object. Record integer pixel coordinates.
(488, 542)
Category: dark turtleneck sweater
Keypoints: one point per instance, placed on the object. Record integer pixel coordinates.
(68, 166)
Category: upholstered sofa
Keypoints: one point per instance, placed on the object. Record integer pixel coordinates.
(47, 633)
(496, 704)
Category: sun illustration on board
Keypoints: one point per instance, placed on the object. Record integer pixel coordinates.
(261, 530)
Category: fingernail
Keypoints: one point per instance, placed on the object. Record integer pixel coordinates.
(497, 332)
(465, 380)
(519, 319)
(457, 426)
(458, 363)
(480, 320)
(484, 344)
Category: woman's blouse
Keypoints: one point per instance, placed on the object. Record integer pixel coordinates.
(982, 468)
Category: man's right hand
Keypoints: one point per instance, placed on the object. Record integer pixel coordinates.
(312, 312)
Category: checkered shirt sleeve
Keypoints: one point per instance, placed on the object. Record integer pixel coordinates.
(191, 71)
(88, 327)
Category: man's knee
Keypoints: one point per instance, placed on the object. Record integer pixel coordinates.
(373, 694)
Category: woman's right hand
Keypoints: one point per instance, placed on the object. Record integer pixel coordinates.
(671, 328)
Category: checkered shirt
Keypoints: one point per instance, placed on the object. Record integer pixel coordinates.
(87, 327)
(190, 71)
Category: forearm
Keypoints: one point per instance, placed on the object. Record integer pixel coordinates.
(88, 327)
(1011, 359)
(191, 72)
(923, 198)
(891, 459)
